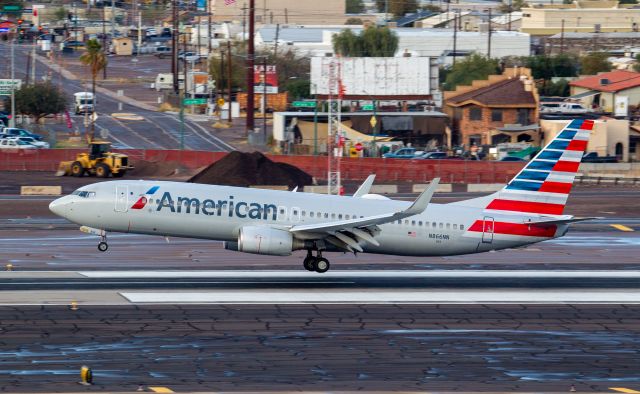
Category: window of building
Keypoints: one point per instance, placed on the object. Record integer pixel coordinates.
(475, 113)
(524, 116)
(496, 115)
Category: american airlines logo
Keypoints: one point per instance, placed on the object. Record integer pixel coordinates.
(142, 201)
(228, 207)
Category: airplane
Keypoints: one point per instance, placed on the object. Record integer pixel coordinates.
(527, 210)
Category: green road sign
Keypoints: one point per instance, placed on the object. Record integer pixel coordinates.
(367, 107)
(194, 101)
(303, 104)
(11, 8)
(6, 85)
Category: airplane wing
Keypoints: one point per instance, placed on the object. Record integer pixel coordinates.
(347, 234)
(365, 187)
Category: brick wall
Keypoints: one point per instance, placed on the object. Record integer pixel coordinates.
(483, 127)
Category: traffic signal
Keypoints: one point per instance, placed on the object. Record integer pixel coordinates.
(20, 22)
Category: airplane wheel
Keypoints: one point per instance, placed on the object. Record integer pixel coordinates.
(322, 265)
(102, 246)
(309, 263)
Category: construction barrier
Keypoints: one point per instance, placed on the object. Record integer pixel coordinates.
(386, 170)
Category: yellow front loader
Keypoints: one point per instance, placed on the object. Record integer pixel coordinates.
(99, 161)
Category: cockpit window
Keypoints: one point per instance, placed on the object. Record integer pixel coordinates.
(84, 193)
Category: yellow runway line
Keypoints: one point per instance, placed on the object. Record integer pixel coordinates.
(624, 390)
(622, 228)
(161, 390)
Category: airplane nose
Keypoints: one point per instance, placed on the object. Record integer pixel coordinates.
(58, 206)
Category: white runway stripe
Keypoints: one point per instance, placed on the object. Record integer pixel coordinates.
(377, 296)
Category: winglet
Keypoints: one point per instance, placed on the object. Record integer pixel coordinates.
(420, 204)
(365, 187)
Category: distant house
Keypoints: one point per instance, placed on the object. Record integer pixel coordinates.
(508, 21)
(503, 108)
(600, 90)
(467, 21)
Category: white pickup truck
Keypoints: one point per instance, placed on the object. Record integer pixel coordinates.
(563, 108)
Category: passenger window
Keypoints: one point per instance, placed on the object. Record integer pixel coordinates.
(311, 214)
(326, 215)
(433, 224)
(340, 216)
(461, 227)
(346, 217)
(448, 226)
(440, 225)
(304, 213)
(295, 212)
(420, 223)
(333, 216)
(413, 222)
(455, 226)
(406, 222)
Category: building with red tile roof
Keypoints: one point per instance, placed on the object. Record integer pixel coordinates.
(600, 91)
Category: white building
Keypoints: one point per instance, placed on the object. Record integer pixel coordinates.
(438, 43)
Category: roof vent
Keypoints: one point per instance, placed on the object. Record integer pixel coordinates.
(604, 81)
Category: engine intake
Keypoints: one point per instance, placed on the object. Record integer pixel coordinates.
(265, 240)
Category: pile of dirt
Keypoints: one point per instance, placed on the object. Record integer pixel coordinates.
(143, 168)
(249, 169)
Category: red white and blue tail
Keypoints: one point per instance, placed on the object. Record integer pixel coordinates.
(543, 185)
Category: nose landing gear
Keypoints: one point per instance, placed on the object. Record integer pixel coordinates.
(316, 263)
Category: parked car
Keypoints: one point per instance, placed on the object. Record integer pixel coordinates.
(162, 51)
(593, 157)
(7, 143)
(16, 132)
(563, 108)
(433, 156)
(512, 158)
(189, 57)
(403, 153)
(30, 140)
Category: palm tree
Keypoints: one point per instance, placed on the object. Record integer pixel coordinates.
(95, 58)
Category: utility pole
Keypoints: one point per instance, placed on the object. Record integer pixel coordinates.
(250, 61)
(510, 11)
(33, 61)
(244, 20)
(455, 35)
(12, 121)
(489, 37)
(386, 12)
(174, 48)
(229, 78)
(264, 99)
(104, 37)
(113, 18)
(275, 46)
(209, 34)
(562, 37)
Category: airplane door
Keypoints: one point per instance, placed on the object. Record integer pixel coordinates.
(122, 198)
(487, 229)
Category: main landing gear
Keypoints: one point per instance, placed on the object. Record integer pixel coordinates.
(316, 263)
(103, 245)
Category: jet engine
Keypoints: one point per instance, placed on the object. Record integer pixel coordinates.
(265, 240)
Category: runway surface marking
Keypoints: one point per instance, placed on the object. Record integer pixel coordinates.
(156, 389)
(377, 296)
(337, 274)
(624, 390)
(622, 227)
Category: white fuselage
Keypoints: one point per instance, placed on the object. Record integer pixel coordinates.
(218, 213)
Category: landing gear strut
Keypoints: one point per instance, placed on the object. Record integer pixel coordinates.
(316, 263)
(103, 245)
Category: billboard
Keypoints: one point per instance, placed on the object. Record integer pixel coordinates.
(265, 77)
(373, 76)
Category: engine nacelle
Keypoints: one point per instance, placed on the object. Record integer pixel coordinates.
(265, 240)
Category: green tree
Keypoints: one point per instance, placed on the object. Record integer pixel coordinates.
(355, 7)
(431, 7)
(38, 100)
(353, 21)
(547, 67)
(516, 5)
(474, 67)
(636, 66)
(559, 89)
(594, 63)
(397, 7)
(218, 69)
(96, 60)
(628, 2)
(60, 14)
(371, 42)
(298, 89)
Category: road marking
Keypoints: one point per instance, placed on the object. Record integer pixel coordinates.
(624, 390)
(161, 390)
(622, 228)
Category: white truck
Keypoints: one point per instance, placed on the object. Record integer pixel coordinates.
(164, 81)
(84, 102)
